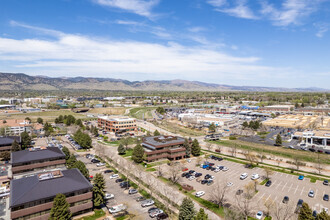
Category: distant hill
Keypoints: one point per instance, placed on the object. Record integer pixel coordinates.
(20, 81)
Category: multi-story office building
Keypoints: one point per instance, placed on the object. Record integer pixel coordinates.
(167, 147)
(120, 124)
(6, 142)
(34, 160)
(32, 197)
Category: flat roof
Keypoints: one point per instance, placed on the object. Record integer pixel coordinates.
(163, 140)
(117, 119)
(34, 188)
(35, 154)
(5, 141)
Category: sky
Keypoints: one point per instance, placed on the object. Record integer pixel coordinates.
(274, 43)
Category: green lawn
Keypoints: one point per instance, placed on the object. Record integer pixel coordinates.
(207, 204)
(141, 112)
(97, 214)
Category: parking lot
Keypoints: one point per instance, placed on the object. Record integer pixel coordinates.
(282, 185)
(121, 195)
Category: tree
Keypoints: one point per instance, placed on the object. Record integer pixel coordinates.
(66, 152)
(48, 129)
(212, 128)
(82, 168)
(40, 120)
(121, 149)
(195, 148)
(5, 155)
(218, 193)
(28, 119)
(174, 173)
(138, 153)
(156, 133)
(245, 124)
(98, 190)
(25, 140)
(79, 123)
(15, 146)
(305, 213)
(322, 216)
(83, 139)
(201, 215)
(125, 142)
(268, 172)
(160, 110)
(70, 120)
(278, 141)
(71, 161)
(188, 147)
(187, 209)
(60, 209)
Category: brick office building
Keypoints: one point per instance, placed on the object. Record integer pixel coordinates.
(164, 147)
(121, 124)
(32, 197)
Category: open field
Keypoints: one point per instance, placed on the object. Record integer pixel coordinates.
(304, 156)
(177, 129)
(141, 112)
(108, 111)
(46, 115)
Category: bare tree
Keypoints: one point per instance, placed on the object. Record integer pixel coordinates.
(199, 161)
(318, 165)
(174, 173)
(208, 146)
(297, 162)
(282, 211)
(269, 205)
(244, 204)
(219, 191)
(233, 214)
(160, 171)
(250, 190)
(268, 172)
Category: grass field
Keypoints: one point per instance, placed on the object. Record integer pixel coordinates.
(175, 128)
(141, 112)
(304, 156)
(108, 111)
(46, 115)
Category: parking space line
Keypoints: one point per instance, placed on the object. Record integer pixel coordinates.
(281, 174)
(284, 186)
(302, 190)
(316, 192)
(290, 187)
(261, 197)
(296, 190)
(267, 197)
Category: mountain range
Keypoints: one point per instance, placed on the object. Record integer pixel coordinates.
(21, 82)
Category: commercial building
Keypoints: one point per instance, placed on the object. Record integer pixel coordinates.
(277, 108)
(34, 160)
(117, 124)
(319, 139)
(32, 197)
(15, 126)
(6, 142)
(164, 147)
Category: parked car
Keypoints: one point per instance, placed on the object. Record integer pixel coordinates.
(155, 213)
(301, 177)
(326, 182)
(114, 176)
(108, 171)
(300, 202)
(192, 178)
(239, 192)
(200, 193)
(248, 165)
(326, 197)
(147, 202)
(207, 176)
(184, 174)
(132, 191)
(243, 176)
(268, 183)
(109, 196)
(100, 164)
(185, 169)
(204, 181)
(314, 214)
(230, 184)
(225, 169)
(259, 215)
(152, 209)
(210, 182)
(117, 208)
(285, 199)
(255, 176)
(124, 185)
(311, 194)
(162, 216)
(95, 161)
(198, 174)
(140, 198)
(119, 180)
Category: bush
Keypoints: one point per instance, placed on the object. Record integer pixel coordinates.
(232, 138)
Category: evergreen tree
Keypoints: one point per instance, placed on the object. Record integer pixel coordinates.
(323, 216)
(187, 210)
(278, 141)
(212, 128)
(98, 190)
(79, 123)
(40, 120)
(305, 213)
(156, 133)
(121, 149)
(201, 215)
(71, 161)
(5, 155)
(60, 119)
(188, 147)
(138, 154)
(245, 124)
(48, 129)
(15, 146)
(60, 209)
(70, 120)
(28, 119)
(66, 152)
(195, 148)
(25, 140)
(83, 139)
(81, 167)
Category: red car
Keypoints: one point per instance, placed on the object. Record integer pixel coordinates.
(185, 169)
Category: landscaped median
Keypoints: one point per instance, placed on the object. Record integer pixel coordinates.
(98, 213)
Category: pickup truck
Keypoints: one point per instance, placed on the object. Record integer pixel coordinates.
(117, 208)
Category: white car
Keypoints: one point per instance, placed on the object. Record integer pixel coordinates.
(255, 176)
(211, 178)
(259, 215)
(243, 176)
(109, 196)
(230, 184)
(225, 169)
(100, 164)
(200, 193)
(192, 178)
(217, 170)
(114, 176)
(117, 208)
(147, 202)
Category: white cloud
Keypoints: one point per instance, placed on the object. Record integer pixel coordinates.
(322, 28)
(291, 13)
(240, 9)
(127, 22)
(78, 55)
(140, 7)
(196, 29)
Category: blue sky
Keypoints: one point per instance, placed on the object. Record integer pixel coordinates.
(282, 43)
